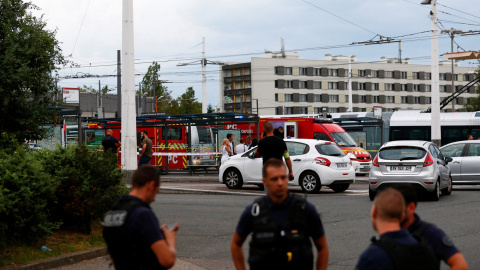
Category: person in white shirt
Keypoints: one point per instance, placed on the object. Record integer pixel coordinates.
(226, 151)
(241, 147)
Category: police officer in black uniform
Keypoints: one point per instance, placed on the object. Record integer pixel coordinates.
(281, 224)
(109, 142)
(396, 248)
(438, 240)
(134, 238)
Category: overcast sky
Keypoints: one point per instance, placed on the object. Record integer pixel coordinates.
(171, 32)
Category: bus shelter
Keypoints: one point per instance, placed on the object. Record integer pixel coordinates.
(187, 141)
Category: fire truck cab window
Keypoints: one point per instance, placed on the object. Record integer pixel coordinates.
(174, 134)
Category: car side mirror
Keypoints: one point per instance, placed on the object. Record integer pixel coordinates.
(251, 155)
(448, 159)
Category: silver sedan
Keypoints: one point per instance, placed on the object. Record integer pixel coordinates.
(466, 160)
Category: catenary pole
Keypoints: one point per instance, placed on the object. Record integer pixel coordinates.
(128, 128)
(436, 133)
(204, 79)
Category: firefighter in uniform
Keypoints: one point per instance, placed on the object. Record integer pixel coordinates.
(281, 224)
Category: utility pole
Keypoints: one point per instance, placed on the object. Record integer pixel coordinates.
(350, 94)
(400, 51)
(435, 114)
(119, 84)
(204, 79)
(452, 33)
(99, 101)
(128, 130)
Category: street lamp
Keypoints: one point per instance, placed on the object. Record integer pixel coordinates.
(435, 113)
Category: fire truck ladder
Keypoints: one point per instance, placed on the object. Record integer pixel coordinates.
(453, 96)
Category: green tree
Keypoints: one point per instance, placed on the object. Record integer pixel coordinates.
(90, 89)
(473, 104)
(28, 55)
(210, 109)
(188, 102)
(152, 86)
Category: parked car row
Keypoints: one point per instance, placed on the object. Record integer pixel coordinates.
(319, 163)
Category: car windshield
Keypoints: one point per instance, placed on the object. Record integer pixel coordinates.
(329, 150)
(343, 139)
(402, 153)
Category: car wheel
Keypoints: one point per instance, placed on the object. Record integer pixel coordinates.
(339, 187)
(232, 178)
(448, 189)
(435, 194)
(371, 194)
(310, 182)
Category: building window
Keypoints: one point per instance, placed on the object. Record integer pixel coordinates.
(347, 98)
(362, 99)
(317, 72)
(333, 110)
(374, 86)
(333, 98)
(403, 75)
(376, 99)
(443, 77)
(288, 71)
(417, 100)
(428, 100)
(302, 98)
(317, 85)
(318, 110)
(416, 87)
(403, 87)
(389, 87)
(332, 85)
(288, 110)
(333, 72)
(302, 84)
(428, 76)
(362, 86)
(362, 73)
(375, 73)
(318, 98)
(428, 88)
(416, 75)
(389, 99)
(288, 84)
(443, 88)
(404, 100)
(455, 77)
(288, 97)
(276, 97)
(466, 77)
(388, 74)
(302, 71)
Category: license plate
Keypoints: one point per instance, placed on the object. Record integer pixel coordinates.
(400, 168)
(341, 165)
(365, 169)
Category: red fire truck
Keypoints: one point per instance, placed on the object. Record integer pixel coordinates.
(321, 129)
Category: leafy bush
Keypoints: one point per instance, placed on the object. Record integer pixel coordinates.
(89, 183)
(26, 192)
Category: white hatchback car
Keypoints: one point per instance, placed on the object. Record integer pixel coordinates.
(315, 163)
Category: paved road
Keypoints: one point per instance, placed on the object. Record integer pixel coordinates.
(207, 222)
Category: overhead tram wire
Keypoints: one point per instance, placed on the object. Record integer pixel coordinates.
(459, 23)
(478, 17)
(438, 11)
(79, 30)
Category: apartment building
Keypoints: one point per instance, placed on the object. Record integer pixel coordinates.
(286, 84)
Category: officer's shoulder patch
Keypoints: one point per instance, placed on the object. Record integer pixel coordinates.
(255, 209)
(447, 241)
(114, 218)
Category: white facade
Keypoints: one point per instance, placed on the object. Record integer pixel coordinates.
(297, 86)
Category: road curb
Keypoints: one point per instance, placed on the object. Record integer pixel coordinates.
(62, 260)
(202, 191)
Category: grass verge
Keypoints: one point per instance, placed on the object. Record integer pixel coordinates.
(61, 242)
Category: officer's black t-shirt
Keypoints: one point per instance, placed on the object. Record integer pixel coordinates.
(109, 143)
(271, 147)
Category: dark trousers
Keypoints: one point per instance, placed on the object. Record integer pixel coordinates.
(144, 160)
